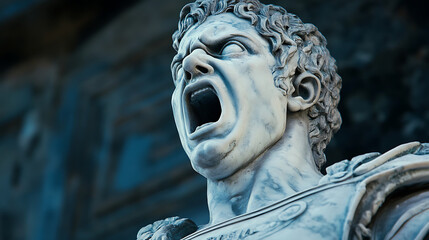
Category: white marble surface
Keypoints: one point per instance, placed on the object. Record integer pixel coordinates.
(255, 105)
(250, 154)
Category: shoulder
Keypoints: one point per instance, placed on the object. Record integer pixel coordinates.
(169, 228)
(392, 193)
(371, 196)
(405, 155)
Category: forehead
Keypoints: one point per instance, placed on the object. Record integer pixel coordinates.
(219, 27)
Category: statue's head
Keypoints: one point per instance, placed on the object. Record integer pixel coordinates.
(241, 68)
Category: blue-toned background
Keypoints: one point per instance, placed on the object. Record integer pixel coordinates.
(88, 146)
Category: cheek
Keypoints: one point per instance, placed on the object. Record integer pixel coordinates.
(175, 105)
(261, 73)
(270, 109)
(175, 100)
(177, 113)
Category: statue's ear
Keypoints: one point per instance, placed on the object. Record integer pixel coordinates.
(306, 94)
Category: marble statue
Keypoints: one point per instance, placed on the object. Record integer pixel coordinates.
(255, 104)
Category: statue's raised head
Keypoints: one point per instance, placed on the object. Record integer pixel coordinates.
(240, 67)
(255, 105)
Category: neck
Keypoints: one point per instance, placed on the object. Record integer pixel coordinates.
(284, 169)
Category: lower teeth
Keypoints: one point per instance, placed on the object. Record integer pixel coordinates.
(205, 124)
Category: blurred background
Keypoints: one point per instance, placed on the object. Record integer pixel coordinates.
(88, 146)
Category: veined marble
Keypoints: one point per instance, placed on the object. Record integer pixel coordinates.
(255, 104)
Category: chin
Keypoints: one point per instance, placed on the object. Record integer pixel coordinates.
(214, 159)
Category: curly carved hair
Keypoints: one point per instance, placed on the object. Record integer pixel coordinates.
(297, 47)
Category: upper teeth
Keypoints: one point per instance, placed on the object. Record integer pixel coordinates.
(199, 91)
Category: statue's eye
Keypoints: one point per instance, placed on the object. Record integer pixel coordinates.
(232, 47)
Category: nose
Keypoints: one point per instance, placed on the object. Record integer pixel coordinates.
(195, 64)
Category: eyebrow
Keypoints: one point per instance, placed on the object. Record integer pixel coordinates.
(210, 42)
(213, 40)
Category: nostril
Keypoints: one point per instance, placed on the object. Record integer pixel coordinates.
(188, 75)
(202, 69)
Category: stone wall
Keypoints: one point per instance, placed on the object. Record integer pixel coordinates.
(88, 146)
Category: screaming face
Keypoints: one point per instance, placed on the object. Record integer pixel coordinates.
(202, 106)
(226, 107)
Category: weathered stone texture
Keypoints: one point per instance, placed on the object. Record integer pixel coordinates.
(88, 147)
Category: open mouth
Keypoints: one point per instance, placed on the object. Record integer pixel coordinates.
(203, 107)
